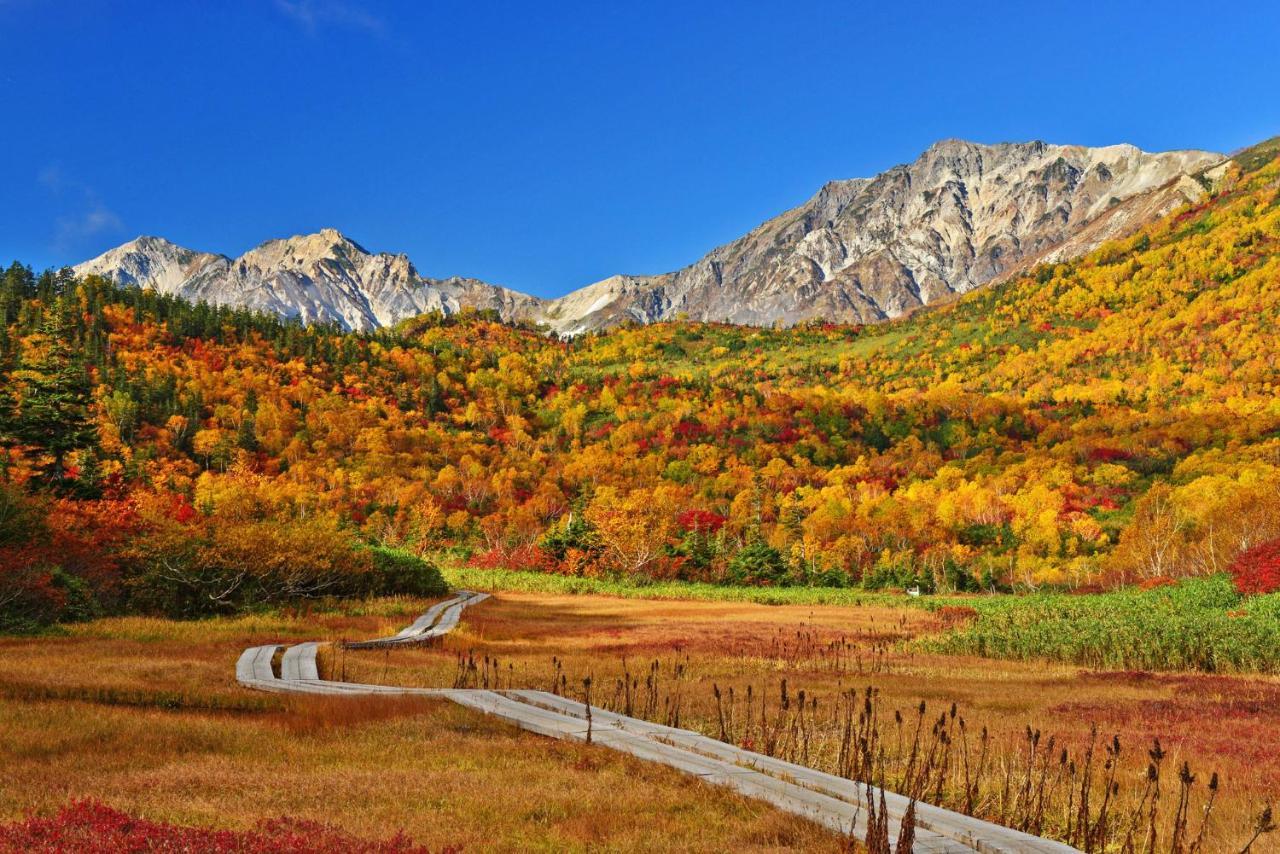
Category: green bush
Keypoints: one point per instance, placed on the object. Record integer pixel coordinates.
(572, 533)
(1199, 624)
(757, 563)
(78, 602)
(397, 572)
(21, 519)
(897, 575)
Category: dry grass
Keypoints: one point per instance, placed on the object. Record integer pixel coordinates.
(1227, 724)
(144, 715)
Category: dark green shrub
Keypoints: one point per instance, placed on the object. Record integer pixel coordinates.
(757, 563)
(396, 572)
(574, 532)
(959, 579)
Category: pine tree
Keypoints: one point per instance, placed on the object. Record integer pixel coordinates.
(47, 403)
(246, 435)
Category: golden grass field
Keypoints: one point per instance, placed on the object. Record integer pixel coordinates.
(145, 715)
(1227, 724)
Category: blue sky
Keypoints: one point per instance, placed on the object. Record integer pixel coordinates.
(547, 145)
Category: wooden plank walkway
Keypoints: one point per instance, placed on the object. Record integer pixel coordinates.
(834, 802)
(439, 619)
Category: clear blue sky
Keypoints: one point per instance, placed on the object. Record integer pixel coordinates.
(546, 145)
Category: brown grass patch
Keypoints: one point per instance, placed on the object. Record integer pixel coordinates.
(1222, 723)
(372, 766)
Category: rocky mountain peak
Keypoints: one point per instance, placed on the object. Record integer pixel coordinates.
(150, 243)
(302, 250)
(961, 215)
(320, 277)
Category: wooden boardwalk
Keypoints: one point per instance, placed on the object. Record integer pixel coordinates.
(831, 801)
(440, 619)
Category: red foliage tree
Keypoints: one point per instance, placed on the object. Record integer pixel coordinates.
(1257, 570)
(702, 521)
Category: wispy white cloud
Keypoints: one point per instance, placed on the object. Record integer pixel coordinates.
(311, 15)
(72, 230)
(88, 216)
(52, 176)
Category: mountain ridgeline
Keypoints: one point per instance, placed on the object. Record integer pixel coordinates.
(960, 216)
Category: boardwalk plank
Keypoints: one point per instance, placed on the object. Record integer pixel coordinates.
(831, 801)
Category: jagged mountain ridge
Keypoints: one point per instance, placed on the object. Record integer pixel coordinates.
(861, 250)
(321, 277)
(864, 250)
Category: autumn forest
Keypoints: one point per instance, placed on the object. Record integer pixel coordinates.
(1097, 423)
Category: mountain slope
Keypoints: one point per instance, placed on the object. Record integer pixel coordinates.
(321, 277)
(860, 251)
(1112, 417)
(865, 250)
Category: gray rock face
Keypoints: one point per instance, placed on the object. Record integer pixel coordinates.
(865, 250)
(321, 277)
(860, 251)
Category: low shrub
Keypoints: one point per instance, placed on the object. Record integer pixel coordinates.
(206, 567)
(90, 827)
(1257, 570)
(53, 566)
(524, 559)
(394, 572)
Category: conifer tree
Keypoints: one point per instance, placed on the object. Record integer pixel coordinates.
(47, 405)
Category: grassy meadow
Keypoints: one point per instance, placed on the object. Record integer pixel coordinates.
(1199, 624)
(144, 715)
(786, 678)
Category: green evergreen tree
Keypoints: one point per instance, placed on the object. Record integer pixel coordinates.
(46, 404)
(247, 435)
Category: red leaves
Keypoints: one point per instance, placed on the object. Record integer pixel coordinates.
(1109, 455)
(182, 512)
(94, 828)
(524, 558)
(1257, 570)
(787, 435)
(688, 430)
(206, 353)
(700, 521)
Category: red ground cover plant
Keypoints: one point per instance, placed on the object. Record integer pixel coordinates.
(951, 616)
(1257, 570)
(91, 827)
(524, 558)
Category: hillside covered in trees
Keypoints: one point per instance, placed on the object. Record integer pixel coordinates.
(1111, 420)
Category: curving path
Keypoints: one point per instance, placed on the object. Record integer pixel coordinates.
(831, 801)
